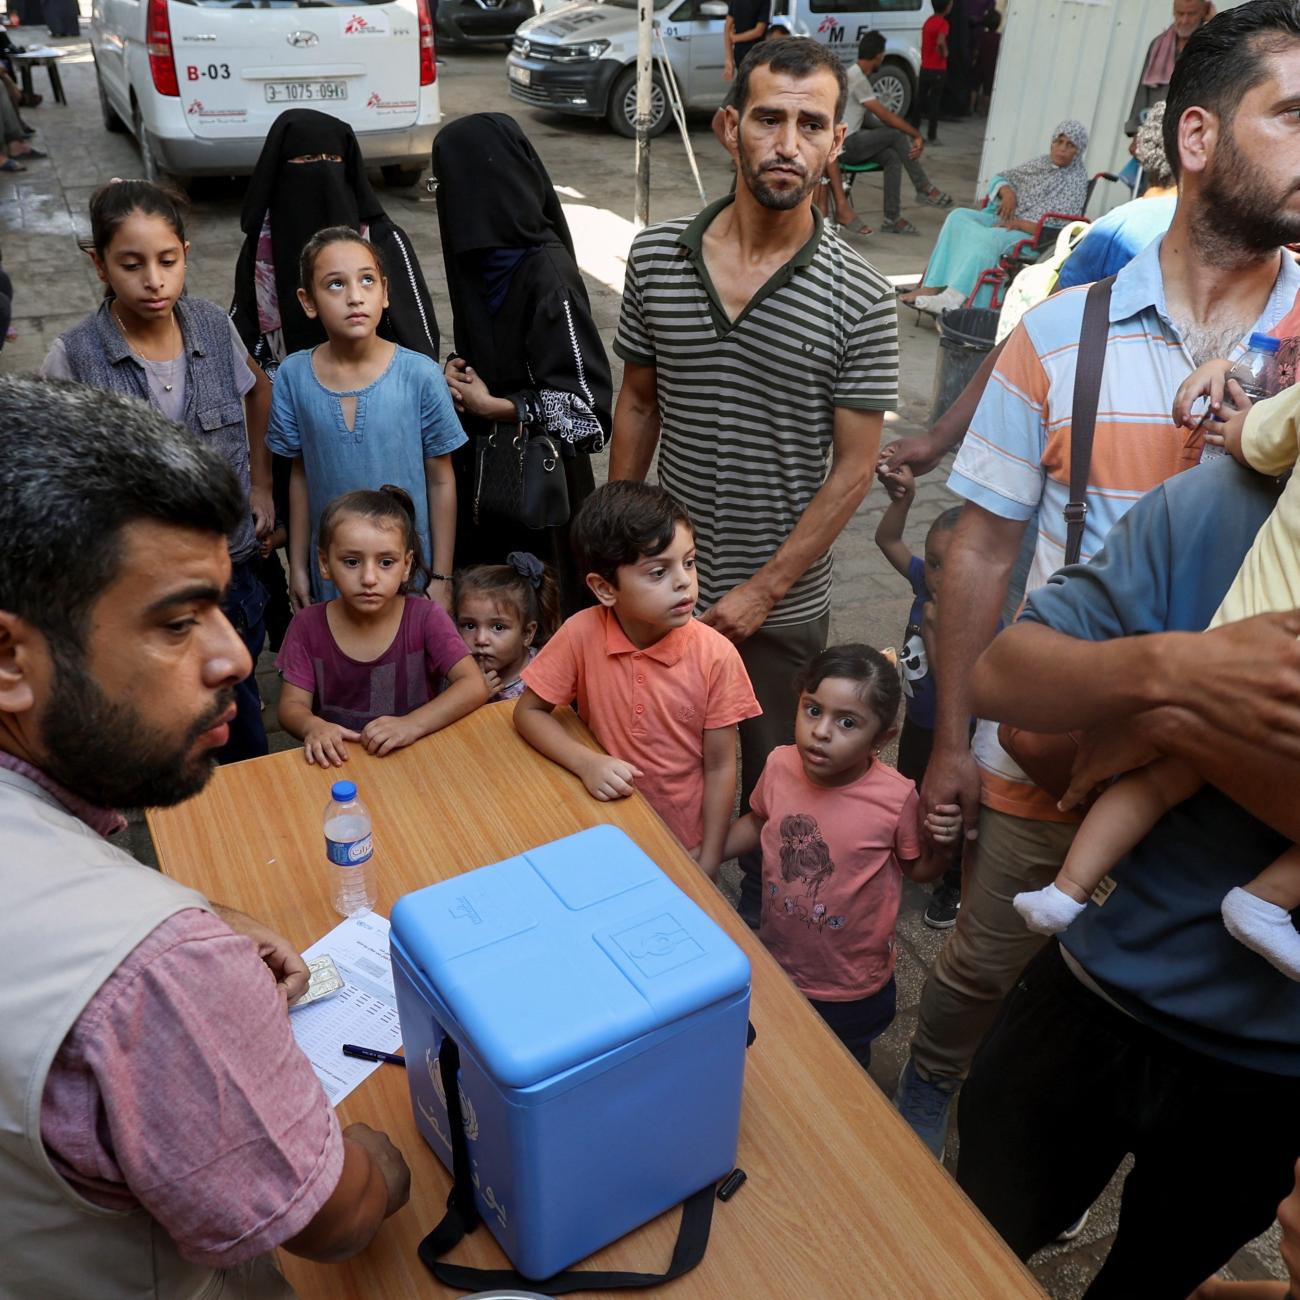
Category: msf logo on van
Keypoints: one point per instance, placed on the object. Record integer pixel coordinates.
(302, 40)
(830, 28)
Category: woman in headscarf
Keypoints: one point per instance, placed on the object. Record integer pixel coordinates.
(527, 350)
(971, 240)
(311, 175)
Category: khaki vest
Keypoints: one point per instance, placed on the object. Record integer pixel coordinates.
(72, 907)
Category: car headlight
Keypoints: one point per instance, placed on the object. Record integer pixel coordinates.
(591, 50)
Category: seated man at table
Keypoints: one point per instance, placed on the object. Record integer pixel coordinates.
(1147, 1028)
(160, 1131)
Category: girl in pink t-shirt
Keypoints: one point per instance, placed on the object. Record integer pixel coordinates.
(838, 830)
(366, 666)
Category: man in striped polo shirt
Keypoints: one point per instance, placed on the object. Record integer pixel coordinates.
(760, 356)
(1197, 293)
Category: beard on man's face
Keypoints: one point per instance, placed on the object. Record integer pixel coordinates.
(1243, 207)
(779, 200)
(105, 753)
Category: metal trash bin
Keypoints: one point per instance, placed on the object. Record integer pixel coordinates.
(966, 337)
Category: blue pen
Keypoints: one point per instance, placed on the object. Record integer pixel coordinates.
(372, 1054)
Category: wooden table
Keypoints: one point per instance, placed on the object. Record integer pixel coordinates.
(842, 1198)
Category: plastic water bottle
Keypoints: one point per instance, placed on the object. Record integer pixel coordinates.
(1257, 374)
(349, 845)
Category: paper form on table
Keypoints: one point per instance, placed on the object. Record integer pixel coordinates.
(364, 1012)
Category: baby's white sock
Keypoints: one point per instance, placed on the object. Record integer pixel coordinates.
(1265, 927)
(1047, 911)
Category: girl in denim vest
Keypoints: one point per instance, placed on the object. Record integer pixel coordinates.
(181, 355)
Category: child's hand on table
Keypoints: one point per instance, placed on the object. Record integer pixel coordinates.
(324, 743)
(381, 736)
(943, 825)
(609, 778)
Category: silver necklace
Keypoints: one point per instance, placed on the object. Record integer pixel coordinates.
(167, 388)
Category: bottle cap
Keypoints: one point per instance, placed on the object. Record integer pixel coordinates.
(343, 791)
(1265, 342)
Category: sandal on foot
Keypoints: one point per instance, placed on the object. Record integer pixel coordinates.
(899, 226)
(9, 165)
(33, 152)
(858, 227)
(936, 198)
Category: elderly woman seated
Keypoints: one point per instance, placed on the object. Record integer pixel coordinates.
(1018, 200)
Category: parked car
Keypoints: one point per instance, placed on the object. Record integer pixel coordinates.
(479, 22)
(199, 82)
(580, 57)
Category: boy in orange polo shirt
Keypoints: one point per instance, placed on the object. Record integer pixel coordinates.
(661, 692)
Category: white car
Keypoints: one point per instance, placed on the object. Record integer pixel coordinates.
(579, 56)
(199, 82)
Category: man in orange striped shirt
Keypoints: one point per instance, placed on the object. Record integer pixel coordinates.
(1216, 277)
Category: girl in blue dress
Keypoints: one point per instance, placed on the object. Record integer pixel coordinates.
(359, 411)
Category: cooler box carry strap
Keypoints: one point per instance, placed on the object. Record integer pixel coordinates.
(462, 1218)
(1089, 362)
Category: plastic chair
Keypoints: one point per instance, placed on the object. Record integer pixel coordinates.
(850, 171)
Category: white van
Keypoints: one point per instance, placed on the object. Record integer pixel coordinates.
(581, 57)
(842, 25)
(199, 82)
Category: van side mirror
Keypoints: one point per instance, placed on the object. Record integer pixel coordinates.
(713, 9)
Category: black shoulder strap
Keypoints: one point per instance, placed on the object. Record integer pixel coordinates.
(1088, 365)
(462, 1217)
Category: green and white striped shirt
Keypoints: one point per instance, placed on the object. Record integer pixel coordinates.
(747, 407)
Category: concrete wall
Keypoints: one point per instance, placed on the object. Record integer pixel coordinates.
(1070, 58)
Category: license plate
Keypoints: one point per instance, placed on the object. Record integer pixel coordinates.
(522, 75)
(304, 92)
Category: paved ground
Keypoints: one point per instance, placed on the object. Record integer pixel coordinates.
(43, 213)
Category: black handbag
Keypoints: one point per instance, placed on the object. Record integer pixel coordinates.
(519, 478)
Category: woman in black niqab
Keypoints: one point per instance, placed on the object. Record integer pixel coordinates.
(527, 349)
(311, 175)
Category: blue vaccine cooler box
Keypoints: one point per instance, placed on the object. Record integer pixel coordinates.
(600, 1018)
